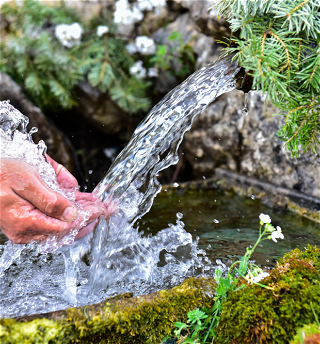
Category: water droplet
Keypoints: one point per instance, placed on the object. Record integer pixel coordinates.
(179, 216)
(245, 109)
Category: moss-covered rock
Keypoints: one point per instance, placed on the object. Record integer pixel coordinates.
(124, 319)
(259, 315)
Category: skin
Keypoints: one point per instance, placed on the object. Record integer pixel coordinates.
(30, 211)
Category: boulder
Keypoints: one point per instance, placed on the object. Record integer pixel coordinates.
(58, 146)
(102, 112)
(223, 137)
(186, 25)
(207, 21)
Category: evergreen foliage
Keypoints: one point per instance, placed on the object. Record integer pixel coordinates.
(278, 43)
(34, 57)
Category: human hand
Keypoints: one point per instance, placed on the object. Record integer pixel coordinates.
(30, 211)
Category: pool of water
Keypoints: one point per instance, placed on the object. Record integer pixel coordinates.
(226, 224)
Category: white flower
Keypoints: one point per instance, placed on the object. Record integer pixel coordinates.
(256, 275)
(125, 14)
(101, 30)
(153, 73)
(158, 5)
(277, 234)
(138, 70)
(69, 35)
(76, 31)
(145, 45)
(260, 277)
(131, 48)
(265, 218)
(144, 5)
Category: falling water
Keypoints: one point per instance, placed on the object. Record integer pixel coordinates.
(118, 258)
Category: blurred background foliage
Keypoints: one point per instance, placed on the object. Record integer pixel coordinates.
(48, 71)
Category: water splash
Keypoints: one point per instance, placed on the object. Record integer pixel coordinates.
(117, 258)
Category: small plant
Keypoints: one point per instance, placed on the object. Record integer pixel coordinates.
(179, 59)
(201, 324)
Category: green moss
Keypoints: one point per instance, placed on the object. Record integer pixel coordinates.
(259, 315)
(306, 331)
(145, 319)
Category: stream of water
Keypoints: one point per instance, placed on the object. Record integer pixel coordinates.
(117, 258)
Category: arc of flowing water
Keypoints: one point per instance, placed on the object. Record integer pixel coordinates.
(153, 147)
(116, 258)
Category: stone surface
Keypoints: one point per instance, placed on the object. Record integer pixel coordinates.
(207, 21)
(205, 47)
(56, 142)
(222, 137)
(102, 112)
(185, 24)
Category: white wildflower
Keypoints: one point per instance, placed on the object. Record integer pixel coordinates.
(153, 73)
(158, 5)
(145, 45)
(277, 234)
(265, 218)
(69, 35)
(131, 48)
(101, 30)
(260, 277)
(138, 70)
(144, 5)
(126, 14)
(256, 275)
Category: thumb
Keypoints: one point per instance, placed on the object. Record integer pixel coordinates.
(47, 201)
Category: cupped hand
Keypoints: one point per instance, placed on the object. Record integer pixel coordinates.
(30, 211)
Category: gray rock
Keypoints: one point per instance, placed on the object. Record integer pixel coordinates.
(222, 137)
(102, 112)
(207, 21)
(204, 47)
(54, 139)
(188, 29)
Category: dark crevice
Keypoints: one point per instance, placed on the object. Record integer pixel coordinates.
(238, 156)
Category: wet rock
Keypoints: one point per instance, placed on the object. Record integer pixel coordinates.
(222, 137)
(144, 319)
(58, 147)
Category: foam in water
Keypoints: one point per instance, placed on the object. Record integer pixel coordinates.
(117, 258)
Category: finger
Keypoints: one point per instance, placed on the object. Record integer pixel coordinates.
(47, 201)
(33, 225)
(94, 210)
(64, 177)
(87, 229)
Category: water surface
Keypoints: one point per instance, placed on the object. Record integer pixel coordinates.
(237, 227)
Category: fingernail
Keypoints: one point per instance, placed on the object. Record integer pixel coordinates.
(69, 214)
